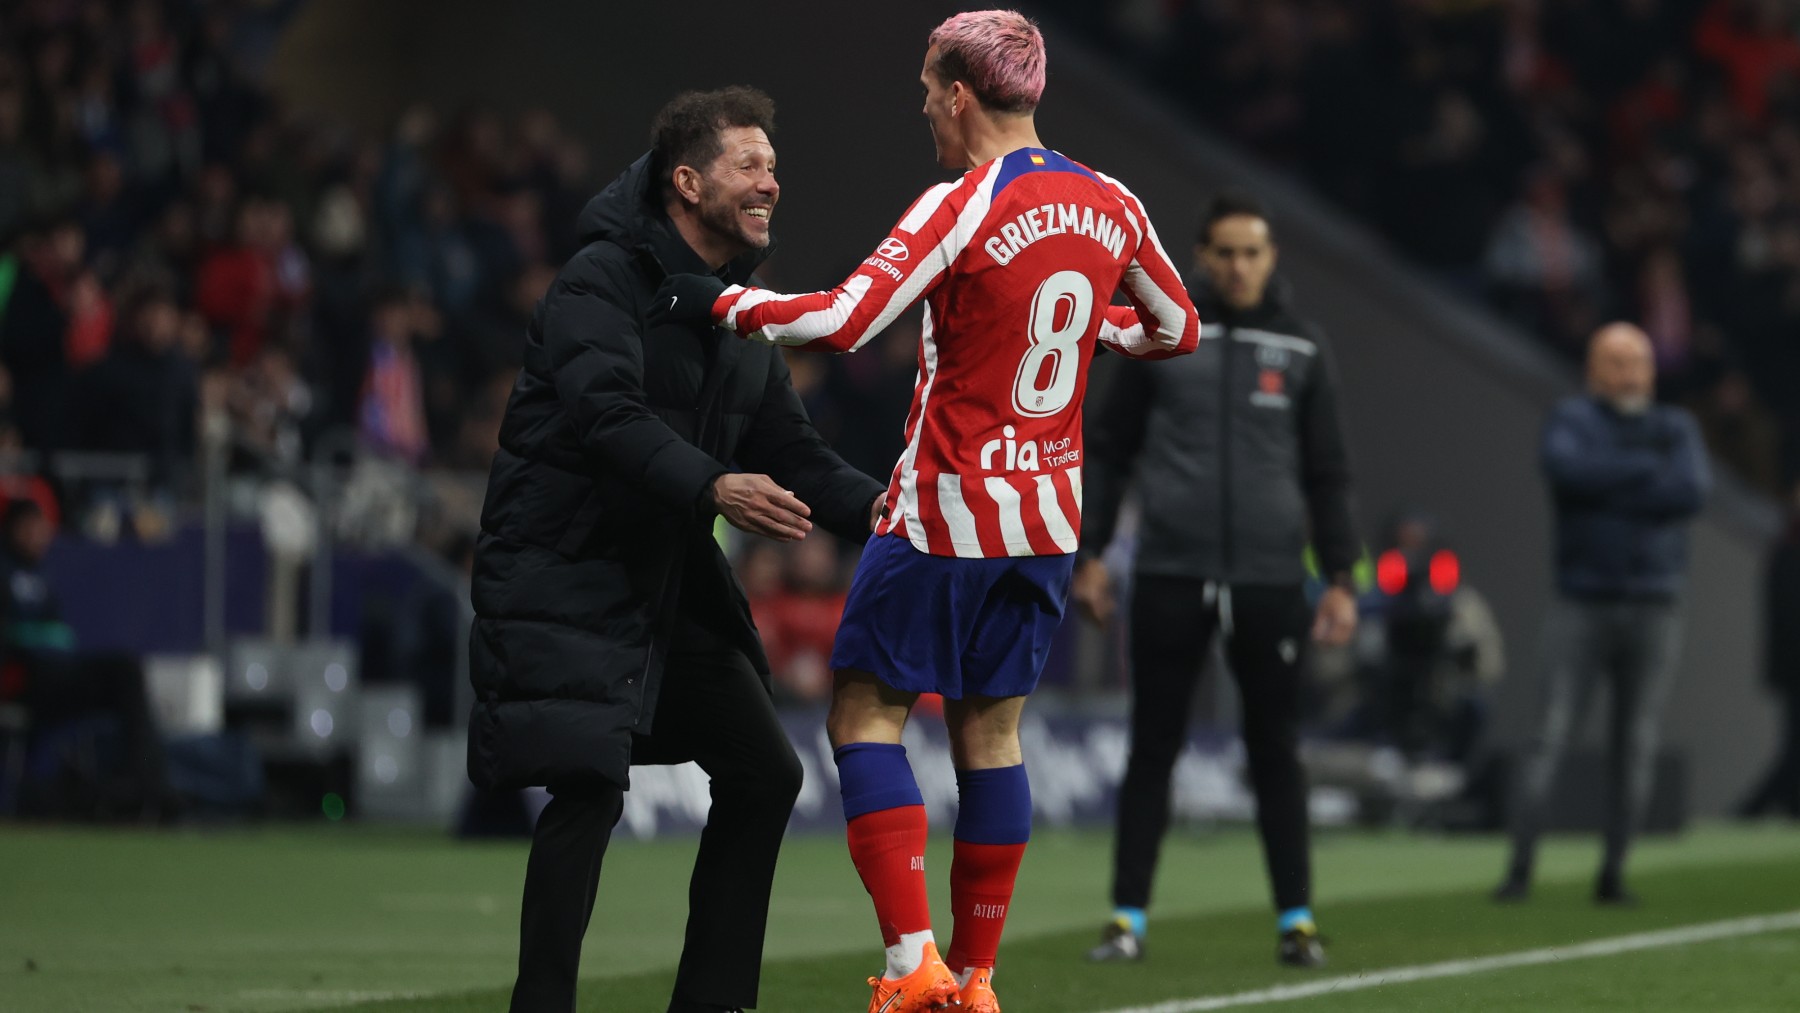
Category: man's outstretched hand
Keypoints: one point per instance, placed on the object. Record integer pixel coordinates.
(1092, 590)
(685, 299)
(755, 503)
(1335, 622)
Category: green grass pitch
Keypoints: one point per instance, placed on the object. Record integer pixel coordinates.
(384, 921)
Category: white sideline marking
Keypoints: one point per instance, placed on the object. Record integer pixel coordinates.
(328, 996)
(1684, 936)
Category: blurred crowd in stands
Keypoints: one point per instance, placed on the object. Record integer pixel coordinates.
(1568, 160)
(183, 257)
(179, 247)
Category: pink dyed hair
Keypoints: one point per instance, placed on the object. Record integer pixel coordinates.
(999, 54)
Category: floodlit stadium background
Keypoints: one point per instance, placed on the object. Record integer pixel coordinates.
(1461, 191)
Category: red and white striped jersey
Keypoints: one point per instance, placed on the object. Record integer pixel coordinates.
(1017, 263)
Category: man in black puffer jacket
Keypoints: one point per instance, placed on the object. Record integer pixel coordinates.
(609, 628)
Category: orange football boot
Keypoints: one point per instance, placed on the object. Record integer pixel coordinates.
(931, 986)
(978, 994)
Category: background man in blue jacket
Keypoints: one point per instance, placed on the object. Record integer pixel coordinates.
(1626, 476)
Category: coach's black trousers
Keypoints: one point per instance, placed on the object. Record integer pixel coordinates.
(59, 688)
(714, 711)
(1173, 621)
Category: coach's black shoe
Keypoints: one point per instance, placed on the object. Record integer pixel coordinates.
(1609, 891)
(1514, 890)
(1300, 947)
(1117, 942)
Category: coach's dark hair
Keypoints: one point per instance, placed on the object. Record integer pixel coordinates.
(686, 130)
(1231, 204)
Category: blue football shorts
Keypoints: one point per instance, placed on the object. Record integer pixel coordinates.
(950, 625)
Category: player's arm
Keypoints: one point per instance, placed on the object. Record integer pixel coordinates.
(913, 257)
(1325, 482)
(1583, 466)
(1161, 321)
(1122, 330)
(1325, 469)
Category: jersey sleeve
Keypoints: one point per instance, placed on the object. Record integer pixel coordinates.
(1123, 331)
(1162, 321)
(904, 268)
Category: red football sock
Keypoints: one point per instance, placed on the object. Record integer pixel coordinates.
(981, 889)
(888, 847)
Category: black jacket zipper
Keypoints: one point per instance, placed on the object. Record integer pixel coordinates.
(1227, 404)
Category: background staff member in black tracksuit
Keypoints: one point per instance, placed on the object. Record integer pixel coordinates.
(1233, 451)
(609, 628)
(1780, 787)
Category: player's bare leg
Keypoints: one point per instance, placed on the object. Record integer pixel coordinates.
(992, 826)
(865, 709)
(984, 731)
(886, 827)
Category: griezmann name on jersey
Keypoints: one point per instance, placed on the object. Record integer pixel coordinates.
(1017, 263)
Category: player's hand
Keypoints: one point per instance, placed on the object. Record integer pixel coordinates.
(1335, 622)
(875, 509)
(755, 503)
(1092, 590)
(684, 299)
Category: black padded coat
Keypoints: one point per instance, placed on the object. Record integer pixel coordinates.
(596, 534)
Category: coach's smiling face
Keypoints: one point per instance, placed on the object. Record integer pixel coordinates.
(737, 193)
